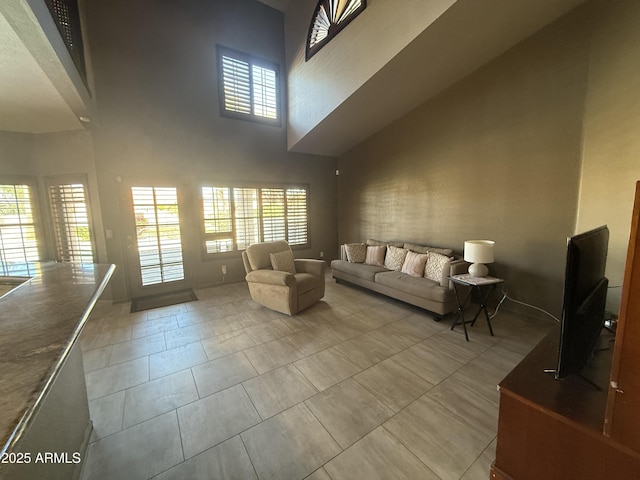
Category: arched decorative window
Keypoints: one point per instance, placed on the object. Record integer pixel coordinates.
(329, 18)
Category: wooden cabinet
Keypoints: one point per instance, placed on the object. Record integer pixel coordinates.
(622, 421)
(550, 429)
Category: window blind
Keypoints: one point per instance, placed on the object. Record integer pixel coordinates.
(18, 242)
(70, 215)
(236, 217)
(248, 86)
(237, 85)
(158, 234)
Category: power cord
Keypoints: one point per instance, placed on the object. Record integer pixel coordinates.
(505, 296)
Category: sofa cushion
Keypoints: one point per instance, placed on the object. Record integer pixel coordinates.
(418, 286)
(435, 266)
(283, 261)
(375, 255)
(394, 258)
(356, 252)
(422, 249)
(359, 270)
(414, 264)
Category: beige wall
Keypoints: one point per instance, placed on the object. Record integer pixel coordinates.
(343, 65)
(496, 156)
(611, 164)
(156, 87)
(537, 145)
(39, 156)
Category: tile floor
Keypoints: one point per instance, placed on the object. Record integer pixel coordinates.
(356, 387)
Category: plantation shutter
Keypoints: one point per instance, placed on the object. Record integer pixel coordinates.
(264, 92)
(273, 214)
(236, 81)
(246, 216)
(18, 243)
(297, 230)
(71, 223)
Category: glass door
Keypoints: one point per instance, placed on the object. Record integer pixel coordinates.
(159, 262)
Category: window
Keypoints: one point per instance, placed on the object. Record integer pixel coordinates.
(236, 217)
(329, 18)
(158, 234)
(18, 243)
(71, 226)
(248, 87)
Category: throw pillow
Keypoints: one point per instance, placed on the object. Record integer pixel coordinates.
(356, 252)
(435, 265)
(394, 258)
(375, 255)
(414, 264)
(283, 261)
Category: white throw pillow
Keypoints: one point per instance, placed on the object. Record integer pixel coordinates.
(414, 264)
(394, 258)
(435, 265)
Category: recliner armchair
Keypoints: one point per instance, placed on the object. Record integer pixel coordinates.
(285, 291)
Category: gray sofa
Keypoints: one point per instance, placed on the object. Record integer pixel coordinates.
(437, 296)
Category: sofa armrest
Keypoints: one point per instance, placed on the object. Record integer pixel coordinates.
(312, 266)
(456, 267)
(271, 277)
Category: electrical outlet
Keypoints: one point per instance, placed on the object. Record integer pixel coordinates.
(321, 254)
(224, 269)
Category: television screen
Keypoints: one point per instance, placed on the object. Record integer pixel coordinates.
(585, 295)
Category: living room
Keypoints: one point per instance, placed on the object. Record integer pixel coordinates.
(548, 150)
(537, 143)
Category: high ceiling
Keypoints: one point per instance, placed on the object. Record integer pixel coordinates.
(468, 35)
(38, 94)
(277, 4)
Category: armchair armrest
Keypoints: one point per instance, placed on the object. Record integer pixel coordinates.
(271, 277)
(312, 266)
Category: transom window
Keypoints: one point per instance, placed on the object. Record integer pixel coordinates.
(329, 18)
(236, 217)
(248, 87)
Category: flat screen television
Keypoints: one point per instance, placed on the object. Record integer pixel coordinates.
(584, 299)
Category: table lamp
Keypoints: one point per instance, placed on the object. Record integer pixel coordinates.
(478, 252)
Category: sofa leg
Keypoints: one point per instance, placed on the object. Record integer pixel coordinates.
(437, 318)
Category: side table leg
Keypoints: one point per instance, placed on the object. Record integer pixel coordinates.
(460, 315)
(483, 307)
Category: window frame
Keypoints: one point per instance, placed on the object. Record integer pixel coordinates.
(38, 227)
(252, 61)
(65, 180)
(230, 186)
(324, 24)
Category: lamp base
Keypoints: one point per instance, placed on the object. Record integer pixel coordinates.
(478, 270)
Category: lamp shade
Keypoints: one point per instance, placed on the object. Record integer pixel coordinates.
(479, 251)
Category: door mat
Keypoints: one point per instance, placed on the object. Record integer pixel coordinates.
(139, 304)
